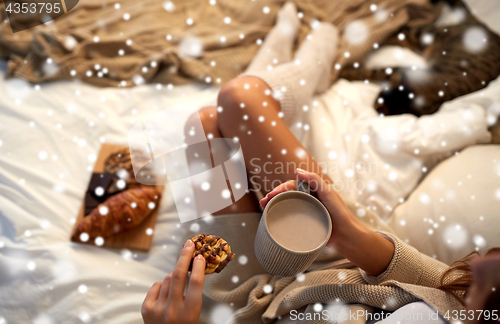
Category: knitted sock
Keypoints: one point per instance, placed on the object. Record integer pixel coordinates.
(277, 47)
(294, 83)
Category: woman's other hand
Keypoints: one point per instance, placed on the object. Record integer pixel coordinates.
(165, 302)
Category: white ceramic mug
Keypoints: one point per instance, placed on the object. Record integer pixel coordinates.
(273, 256)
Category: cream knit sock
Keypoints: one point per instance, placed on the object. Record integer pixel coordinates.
(277, 47)
(294, 83)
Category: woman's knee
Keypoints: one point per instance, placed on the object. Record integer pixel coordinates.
(246, 95)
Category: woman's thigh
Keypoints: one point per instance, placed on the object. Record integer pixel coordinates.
(208, 116)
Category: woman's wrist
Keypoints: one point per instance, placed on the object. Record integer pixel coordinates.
(346, 236)
(363, 247)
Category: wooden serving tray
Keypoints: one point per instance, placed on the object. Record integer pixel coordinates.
(136, 238)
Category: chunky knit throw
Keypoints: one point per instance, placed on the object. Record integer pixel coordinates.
(110, 43)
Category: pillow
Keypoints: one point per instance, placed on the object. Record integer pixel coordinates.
(456, 208)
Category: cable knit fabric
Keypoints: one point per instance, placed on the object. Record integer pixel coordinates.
(332, 284)
(178, 43)
(424, 270)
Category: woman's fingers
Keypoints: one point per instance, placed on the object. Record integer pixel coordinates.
(314, 180)
(329, 197)
(151, 298)
(196, 281)
(179, 274)
(165, 287)
(289, 185)
(326, 195)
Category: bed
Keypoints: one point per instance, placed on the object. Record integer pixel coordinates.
(49, 138)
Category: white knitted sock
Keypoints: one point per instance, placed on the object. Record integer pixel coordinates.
(319, 48)
(278, 45)
(294, 83)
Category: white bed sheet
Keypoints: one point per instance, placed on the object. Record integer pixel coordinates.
(49, 139)
(48, 142)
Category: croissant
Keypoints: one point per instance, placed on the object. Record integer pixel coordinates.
(119, 213)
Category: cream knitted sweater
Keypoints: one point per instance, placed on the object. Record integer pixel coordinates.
(251, 295)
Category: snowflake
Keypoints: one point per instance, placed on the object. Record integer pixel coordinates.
(226, 194)
(318, 307)
(361, 212)
(243, 259)
(205, 186)
(82, 289)
(497, 194)
(300, 153)
(221, 313)
(42, 319)
(356, 32)
(455, 236)
(479, 240)
(84, 237)
(126, 254)
(475, 39)
(195, 227)
(99, 241)
(31, 265)
(169, 6)
(84, 317)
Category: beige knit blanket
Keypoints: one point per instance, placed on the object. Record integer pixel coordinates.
(246, 293)
(124, 43)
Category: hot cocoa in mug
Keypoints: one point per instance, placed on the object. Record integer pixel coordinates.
(293, 230)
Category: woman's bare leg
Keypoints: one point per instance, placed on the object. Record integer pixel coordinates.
(250, 113)
(271, 151)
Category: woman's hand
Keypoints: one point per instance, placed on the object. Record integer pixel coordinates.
(342, 218)
(363, 247)
(165, 302)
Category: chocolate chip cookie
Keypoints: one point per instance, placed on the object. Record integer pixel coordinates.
(214, 249)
